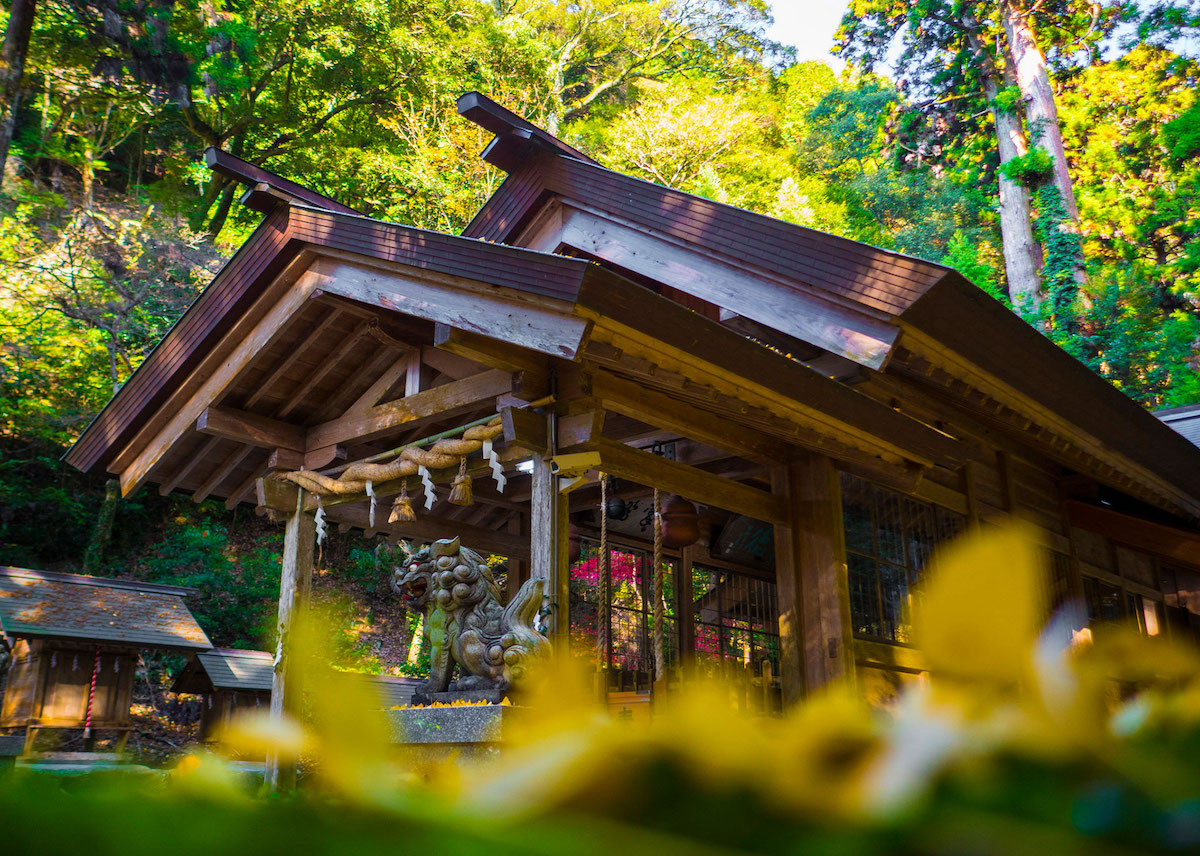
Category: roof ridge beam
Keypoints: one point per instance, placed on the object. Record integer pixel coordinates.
(276, 188)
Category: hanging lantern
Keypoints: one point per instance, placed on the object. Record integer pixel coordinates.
(680, 523)
(616, 508)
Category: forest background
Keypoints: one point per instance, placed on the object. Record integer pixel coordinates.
(1047, 149)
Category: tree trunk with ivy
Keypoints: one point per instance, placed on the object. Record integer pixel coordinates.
(102, 534)
(1041, 112)
(1057, 220)
(1022, 256)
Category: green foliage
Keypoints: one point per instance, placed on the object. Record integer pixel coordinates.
(1182, 135)
(1029, 169)
(237, 591)
(1007, 99)
(1061, 251)
(965, 256)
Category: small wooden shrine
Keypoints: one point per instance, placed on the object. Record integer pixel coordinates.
(232, 679)
(593, 343)
(75, 646)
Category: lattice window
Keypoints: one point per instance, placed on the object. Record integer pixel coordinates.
(736, 621)
(630, 652)
(889, 539)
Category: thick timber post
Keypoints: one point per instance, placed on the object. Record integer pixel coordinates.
(548, 545)
(813, 589)
(295, 586)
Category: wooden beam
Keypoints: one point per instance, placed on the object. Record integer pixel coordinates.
(520, 322)
(428, 527)
(451, 365)
(324, 367)
(250, 429)
(295, 585)
(532, 369)
(580, 427)
(231, 463)
(654, 408)
(446, 400)
(417, 376)
(182, 472)
(218, 381)
(637, 321)
(244, 172)
(267, 384)
(525, 428)
(1183, 545)
(376, 391)
(487, 351)
(239, 493)
(655, 471)
(857, 336)
(285, 459)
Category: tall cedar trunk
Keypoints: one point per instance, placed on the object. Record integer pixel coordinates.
(102, 534)
(1034, 80)
(1022, 256)
(12, 70)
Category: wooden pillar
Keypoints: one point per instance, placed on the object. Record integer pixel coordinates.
(685, 612)
(816, 637)
(562, 570)
(295, 585)
(541, 521)
(518, 569)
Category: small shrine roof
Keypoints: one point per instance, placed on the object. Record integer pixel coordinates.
(37, 604)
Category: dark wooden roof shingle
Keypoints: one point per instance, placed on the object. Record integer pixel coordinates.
(72, 606)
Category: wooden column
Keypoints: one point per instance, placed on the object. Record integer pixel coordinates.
(561, 626)
(295, 585)
(541, 521)
(518, 569)
(685, 611)
(813, 590)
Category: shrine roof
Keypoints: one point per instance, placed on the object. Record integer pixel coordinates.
(44, 604)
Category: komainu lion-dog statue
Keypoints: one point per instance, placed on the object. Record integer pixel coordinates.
(493, 645)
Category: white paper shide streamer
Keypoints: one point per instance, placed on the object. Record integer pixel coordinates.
(427, 481)
(319, 520)
(371, 513)
(493, 460)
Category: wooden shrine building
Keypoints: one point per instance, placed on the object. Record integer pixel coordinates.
(233, 679)
(75, 643)
(834, 410)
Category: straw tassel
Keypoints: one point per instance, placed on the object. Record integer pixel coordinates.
(460, 493)
(402, 507)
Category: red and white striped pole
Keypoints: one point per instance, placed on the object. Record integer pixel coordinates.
(87, 725)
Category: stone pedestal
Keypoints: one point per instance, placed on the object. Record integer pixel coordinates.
(473, 732)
